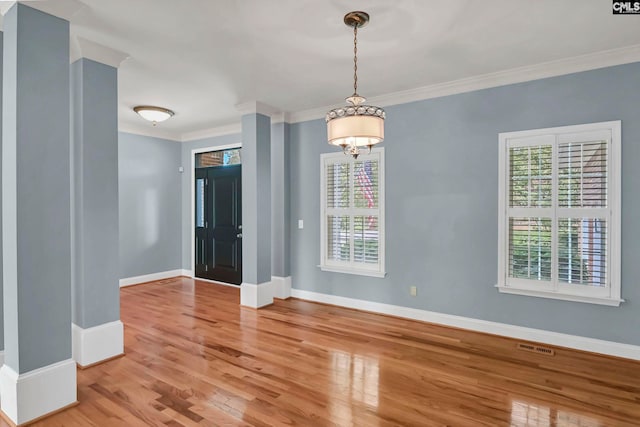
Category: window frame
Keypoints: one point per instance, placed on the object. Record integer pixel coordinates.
(352, 267)
(555, 136)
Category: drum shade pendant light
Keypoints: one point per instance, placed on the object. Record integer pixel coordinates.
(153, 114)
(355, 125)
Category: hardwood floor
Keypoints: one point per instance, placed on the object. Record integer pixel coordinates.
(194, 357)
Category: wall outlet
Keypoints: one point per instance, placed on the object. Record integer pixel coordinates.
(300, 224)
(413, 291)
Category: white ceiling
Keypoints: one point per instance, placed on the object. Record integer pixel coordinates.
(201, 58)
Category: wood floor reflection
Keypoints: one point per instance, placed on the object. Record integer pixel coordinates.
(195, 358)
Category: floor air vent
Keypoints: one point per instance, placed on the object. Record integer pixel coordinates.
(536, 349)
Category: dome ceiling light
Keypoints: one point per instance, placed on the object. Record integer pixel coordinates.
(153, 114)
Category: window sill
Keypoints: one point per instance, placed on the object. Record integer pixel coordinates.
(560, 296)
(370, 273)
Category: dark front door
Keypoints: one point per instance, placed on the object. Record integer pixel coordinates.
(219, 224)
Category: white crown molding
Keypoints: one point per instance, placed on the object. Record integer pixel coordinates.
(231, 129)
(152, 131)
(592, 61)
(61, 9)
(258, 107)
(280, 117)
(602, 59)
(310, 114)
(83, 48)
(5, 6)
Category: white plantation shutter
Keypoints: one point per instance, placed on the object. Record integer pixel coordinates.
(530, 248)
(337, 201)
(582, 174)
(582, 204)
(352, 205)
(560, 213)
(530, 211)
(530, 173)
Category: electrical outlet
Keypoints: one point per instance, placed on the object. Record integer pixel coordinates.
(300, 224)
(413, 291)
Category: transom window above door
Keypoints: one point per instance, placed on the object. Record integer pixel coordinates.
(218, 158)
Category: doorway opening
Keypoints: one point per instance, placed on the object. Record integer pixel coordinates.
(217, 215)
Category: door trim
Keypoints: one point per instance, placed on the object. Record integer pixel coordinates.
(192, 209)
(216, 282)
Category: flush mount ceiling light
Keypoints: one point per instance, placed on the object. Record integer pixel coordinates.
(355, 125)
(154, 114)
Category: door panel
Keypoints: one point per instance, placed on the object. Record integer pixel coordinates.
(219, 252)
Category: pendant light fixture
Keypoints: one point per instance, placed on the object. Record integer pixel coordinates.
(153, 114)
(355, 125)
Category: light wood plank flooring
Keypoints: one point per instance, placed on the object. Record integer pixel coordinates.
(194, 357)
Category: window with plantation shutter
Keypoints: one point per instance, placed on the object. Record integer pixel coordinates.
(352, 212)
(559, 217)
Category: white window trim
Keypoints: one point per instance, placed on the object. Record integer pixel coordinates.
(377, 270)
(576, 294)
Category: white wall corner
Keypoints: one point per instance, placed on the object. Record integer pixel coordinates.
(186, 273)
(129, 281)
(256, 296)
(1, 358)
(42, 391)
(258, 107)
(93, 345)
(5, 6)
(280, 117)
(231, 129)
(61, 9)
(145, 129)
(83, 48)
(281, 287)
(575, 342)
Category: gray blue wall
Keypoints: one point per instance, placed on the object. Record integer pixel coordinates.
(36, 190)
(280, 209)
(96, 296)
(442, 198)
(1, 286)
(150, 208)
(256, 199)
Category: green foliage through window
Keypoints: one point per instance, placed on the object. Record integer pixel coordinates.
(580, 242)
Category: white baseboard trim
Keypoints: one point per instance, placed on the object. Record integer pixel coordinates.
(33, 394)
(281, 287)
(186, 273)
(150, 277)
(93, 345)
(256, 296)
(610, 348)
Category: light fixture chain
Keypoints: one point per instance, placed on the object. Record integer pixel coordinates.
(355, 59)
